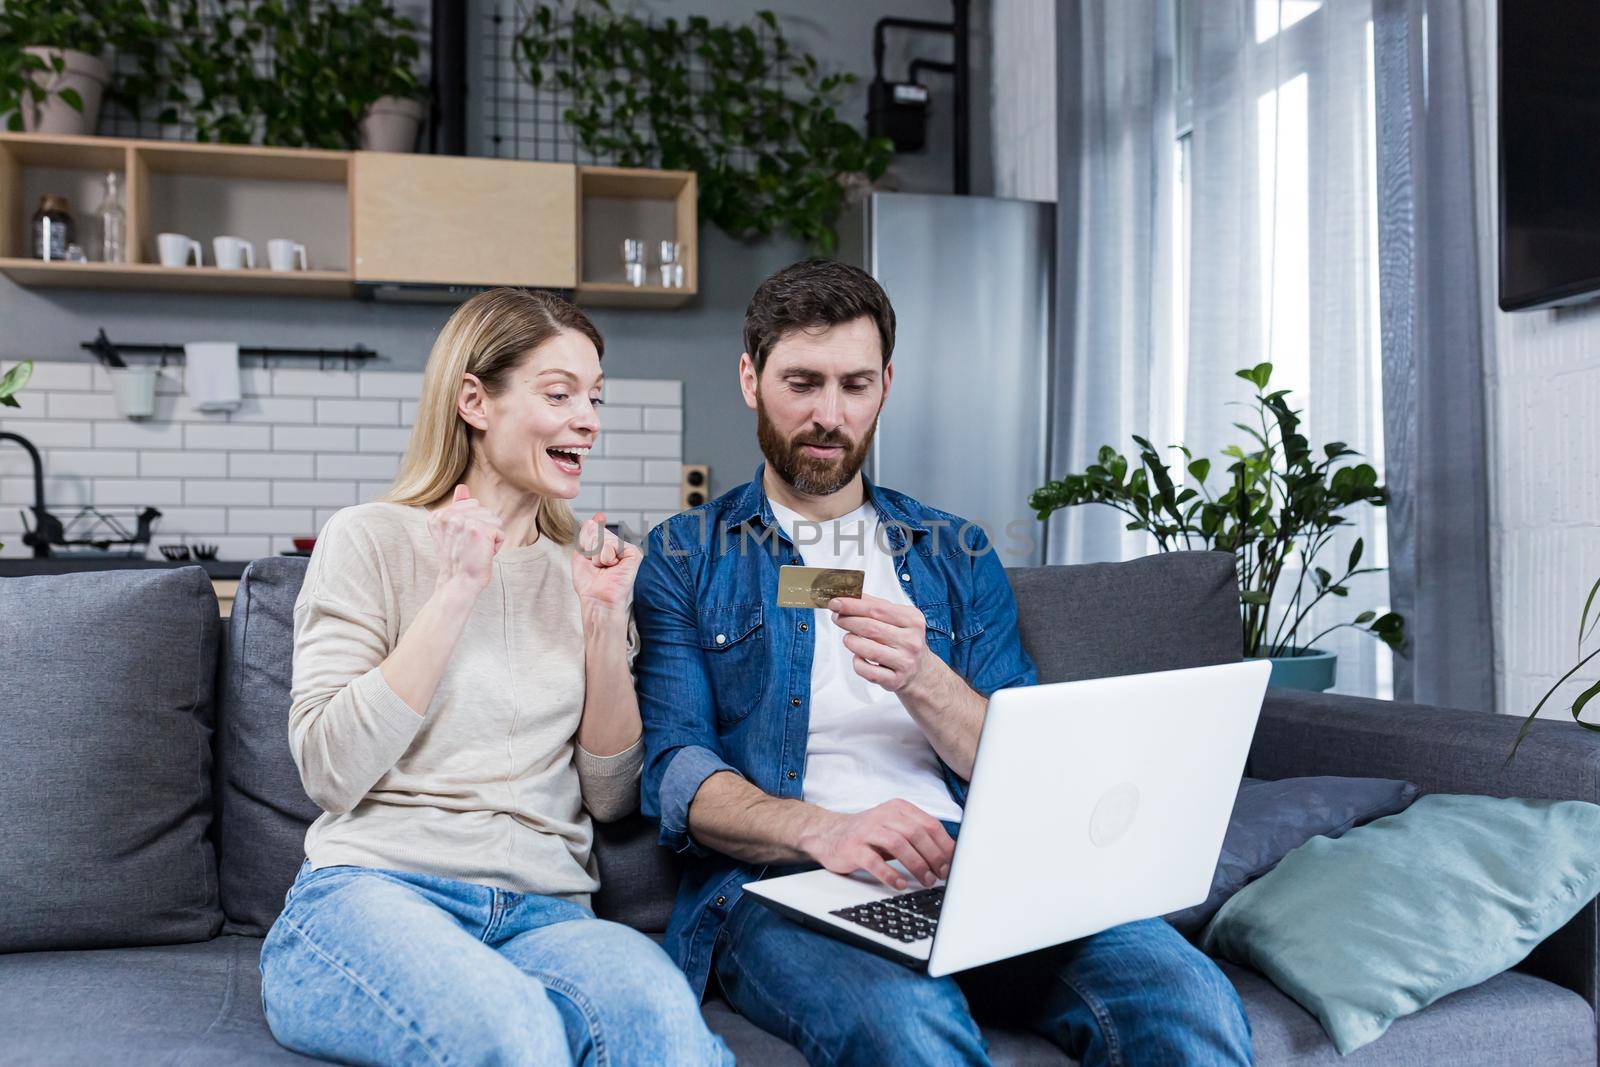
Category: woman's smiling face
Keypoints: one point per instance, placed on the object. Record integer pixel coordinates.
(538, 431)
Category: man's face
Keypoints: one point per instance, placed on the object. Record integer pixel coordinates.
(817, 402)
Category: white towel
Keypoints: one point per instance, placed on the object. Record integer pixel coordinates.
(211, 375)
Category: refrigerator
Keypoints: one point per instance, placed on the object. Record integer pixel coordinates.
(972, 281)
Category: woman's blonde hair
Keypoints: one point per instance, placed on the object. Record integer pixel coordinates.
(488, 336)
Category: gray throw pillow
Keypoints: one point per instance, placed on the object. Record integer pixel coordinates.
(1273, 818)
(105, 759)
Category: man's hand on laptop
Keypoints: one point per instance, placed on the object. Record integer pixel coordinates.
(868, 840)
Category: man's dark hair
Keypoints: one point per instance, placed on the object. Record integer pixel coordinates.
(812, 294)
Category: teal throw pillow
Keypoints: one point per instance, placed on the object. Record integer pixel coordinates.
(1385, 920)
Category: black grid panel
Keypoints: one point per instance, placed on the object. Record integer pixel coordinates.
(117, 121)
(523, 122)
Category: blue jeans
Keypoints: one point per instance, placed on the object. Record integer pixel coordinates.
(1133, 995)
(386, 967)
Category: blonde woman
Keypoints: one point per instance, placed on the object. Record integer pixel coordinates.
(461, 706)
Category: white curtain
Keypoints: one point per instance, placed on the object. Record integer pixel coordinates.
(1114, 241)
(1284, 262)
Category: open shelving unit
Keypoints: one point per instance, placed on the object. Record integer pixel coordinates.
(200, 190)
(618, 202)
(364, 217)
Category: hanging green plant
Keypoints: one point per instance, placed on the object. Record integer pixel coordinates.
(706, 97)
(34, 34)
(328, 64)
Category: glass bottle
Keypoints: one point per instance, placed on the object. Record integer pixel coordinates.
(113, 221)
(52, 228)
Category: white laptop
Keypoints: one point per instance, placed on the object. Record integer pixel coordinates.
(1092, 803)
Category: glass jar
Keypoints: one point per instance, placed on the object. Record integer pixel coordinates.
(52, 228)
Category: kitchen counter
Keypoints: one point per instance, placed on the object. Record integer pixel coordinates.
(217, 569)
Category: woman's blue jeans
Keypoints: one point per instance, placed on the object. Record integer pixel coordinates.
(386, 967)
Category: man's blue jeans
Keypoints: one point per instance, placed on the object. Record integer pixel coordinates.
(386, 967)
(1135, 995)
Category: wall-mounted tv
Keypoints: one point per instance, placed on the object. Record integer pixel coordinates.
(1549, 152)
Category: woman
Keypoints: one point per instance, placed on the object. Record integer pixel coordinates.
(461, 694)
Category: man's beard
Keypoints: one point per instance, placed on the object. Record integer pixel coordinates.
(808, 474)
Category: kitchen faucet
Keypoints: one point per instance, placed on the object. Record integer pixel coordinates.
(46, 526)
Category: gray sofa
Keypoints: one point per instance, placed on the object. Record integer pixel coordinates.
(152, 816)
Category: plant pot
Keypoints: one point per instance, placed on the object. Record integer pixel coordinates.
(1308, 668)
(87, 75)
(391, 124)
(135, 389)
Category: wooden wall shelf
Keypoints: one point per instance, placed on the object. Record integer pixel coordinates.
(361, 215)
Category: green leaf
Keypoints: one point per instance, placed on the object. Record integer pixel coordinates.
(1583, 629)
(71, 98)
(15, 378)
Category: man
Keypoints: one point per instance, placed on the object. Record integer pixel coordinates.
(784, 738)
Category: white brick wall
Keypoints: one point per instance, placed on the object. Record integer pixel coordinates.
(302, 445)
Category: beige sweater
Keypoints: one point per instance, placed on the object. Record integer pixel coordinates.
(489, 785)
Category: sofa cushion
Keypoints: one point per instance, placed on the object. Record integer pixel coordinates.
(1511, 1020)
(638, 878)
(1271, 819)
(106, 716)
(264, 811)
(176, 1005)
(1158, 613)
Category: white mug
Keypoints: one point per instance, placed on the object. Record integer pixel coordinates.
(234, 252)
(175, 248)
(282, 253)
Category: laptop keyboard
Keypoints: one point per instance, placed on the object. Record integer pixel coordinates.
(908, 917)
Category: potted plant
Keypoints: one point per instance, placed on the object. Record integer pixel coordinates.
(340, 76)
(754, 117)
(1585, 628)
(1281, 500)
(53, 67)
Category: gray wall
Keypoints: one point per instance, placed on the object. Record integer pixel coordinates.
(699, 344)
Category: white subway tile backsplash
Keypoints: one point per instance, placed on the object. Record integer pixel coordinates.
(605, 471)
(663, 420)
(53, 434)
(399, 386)
(662, 472)
(644, 391)
(313, 439)
(358, 412)
(125, 434)
(641, 497)
(297, 522)
(275, 464)
(90, 463)
(304, 444)
(175, 464)
(620, 417)
(81, 406)
(79, 376)
(197, 521)
(228, 437)
(330, 494)
(140, 491)
(276, 409)
(334, 465)
(287, 381)
(646, 445)
(234, 491)
(382, 439)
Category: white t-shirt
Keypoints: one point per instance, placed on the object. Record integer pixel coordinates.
(863, 748)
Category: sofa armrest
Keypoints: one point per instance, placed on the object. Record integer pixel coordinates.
(1444, 750)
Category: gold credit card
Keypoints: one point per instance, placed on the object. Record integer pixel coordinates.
(813, 587)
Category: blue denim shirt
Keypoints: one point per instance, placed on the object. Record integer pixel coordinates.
(724, 675)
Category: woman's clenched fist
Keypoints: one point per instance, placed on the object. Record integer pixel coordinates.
(466, 536)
